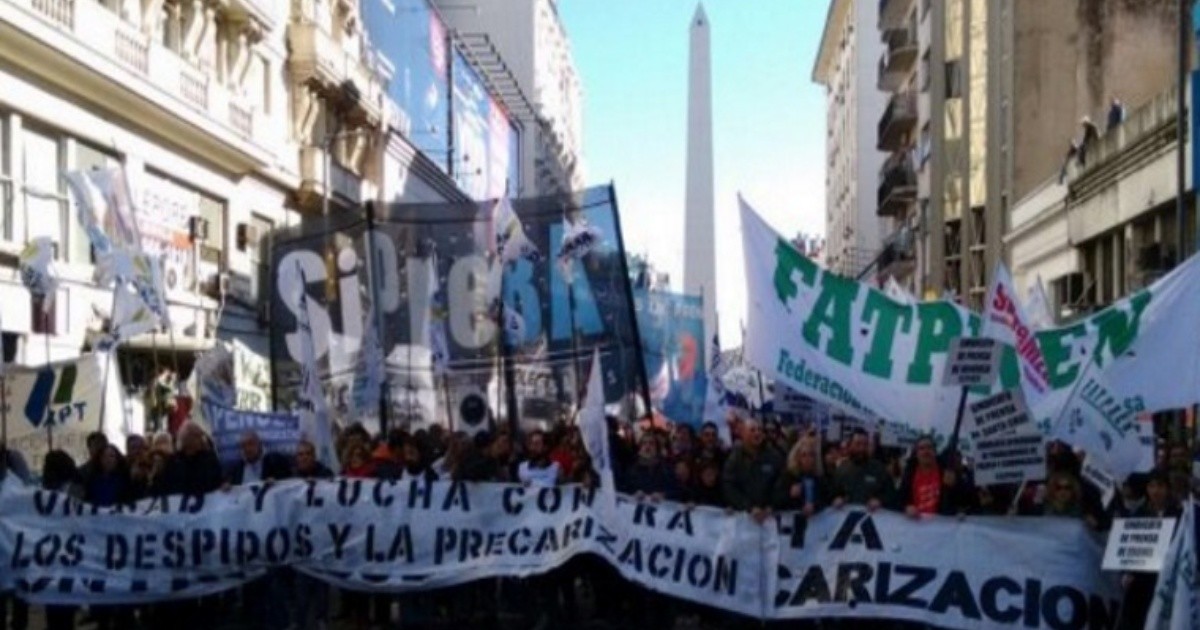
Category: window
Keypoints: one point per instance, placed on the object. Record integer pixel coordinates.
(212, 250)
(924, 72)
(265, 73)
(954, 88)
(6, 184)
(260, 258)
(44, 198)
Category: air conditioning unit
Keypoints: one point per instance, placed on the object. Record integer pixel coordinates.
(247, 236)
(198, 228)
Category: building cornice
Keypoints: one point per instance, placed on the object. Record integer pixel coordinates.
(829, 41)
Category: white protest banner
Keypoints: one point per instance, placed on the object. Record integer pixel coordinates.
(972, 361)
(64, 398)
(1094, 474)
(848, 345)
(981, 573)
(1176, 603)
(1010, 459)
(376, 535)
(1001, 415)
(278, 432)
(1138, 544)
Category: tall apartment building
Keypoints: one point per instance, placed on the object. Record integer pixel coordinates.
(846, 66)
(1000, 91)
(527, 39)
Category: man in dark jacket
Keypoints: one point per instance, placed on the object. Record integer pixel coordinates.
(194, 468)
(750, 473)
(859, 478)
(255, 465)
(307, 466)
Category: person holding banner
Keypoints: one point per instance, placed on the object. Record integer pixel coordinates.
(1140, 586)
(306, 465)
(194, 468)
(59, 474)
(931, 486)
(861, 479)
(751, 472)
(801, 486)
(255, 465)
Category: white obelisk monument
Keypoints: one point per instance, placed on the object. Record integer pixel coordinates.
(699, 248)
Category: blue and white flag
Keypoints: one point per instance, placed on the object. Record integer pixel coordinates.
(37, 270)
(714, 401)
(369, 381)
(506, 238)
(311, 405)
(1176, 603)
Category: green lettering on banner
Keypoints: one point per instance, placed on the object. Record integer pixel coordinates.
(832, 311)
(787, 261)
(939, 323)
(888, 316)
(1059, 364)
(1118, 329)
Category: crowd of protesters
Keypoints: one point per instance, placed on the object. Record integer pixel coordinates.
(767, 469)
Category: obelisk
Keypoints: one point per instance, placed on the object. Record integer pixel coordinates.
(699, 247)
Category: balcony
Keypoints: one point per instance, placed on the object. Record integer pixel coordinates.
(893, 13)
(898, 258)
(897, 186)
(344, 185)
(896, 63)
(88, 50)
(335, 72)
(898, 120)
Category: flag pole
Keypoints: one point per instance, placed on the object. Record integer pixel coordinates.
(376, 311)
(49, 421)
(639, 355)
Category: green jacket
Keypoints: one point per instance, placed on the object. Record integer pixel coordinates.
(749, 478)
(859, 484)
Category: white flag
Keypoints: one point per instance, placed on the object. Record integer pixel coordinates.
(505, 236)
(1004, 319)
(37, 270)
(1175, 605)
(314, 411)
(578, 239)
(593, 426)
(1037, 306)
(105, 209)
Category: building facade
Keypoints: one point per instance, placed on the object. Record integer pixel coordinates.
(524, 43)
(1001, 88)
(846, 65)
(231, 120)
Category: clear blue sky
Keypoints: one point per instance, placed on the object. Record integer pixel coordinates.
(768, 129)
